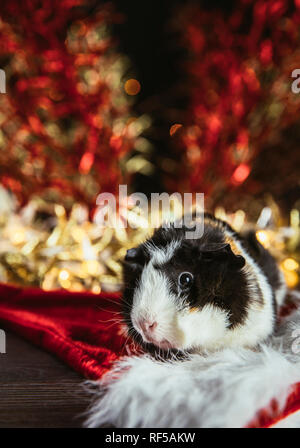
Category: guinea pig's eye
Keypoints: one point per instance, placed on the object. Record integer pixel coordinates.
(185, 280)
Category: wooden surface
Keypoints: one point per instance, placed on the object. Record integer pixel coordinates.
(37, 390)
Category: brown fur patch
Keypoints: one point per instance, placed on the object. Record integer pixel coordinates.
(193, 309)
(233, 246)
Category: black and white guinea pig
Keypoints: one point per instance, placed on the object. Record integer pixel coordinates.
(220, 290)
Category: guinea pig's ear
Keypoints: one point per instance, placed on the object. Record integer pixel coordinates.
(234, 261)
(135, 257)
(225, 254)
(132, 254)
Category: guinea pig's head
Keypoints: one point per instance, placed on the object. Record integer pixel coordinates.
(184, 293)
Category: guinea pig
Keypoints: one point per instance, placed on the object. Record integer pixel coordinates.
(217, 291)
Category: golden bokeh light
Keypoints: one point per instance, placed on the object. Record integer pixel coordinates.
(18, 237)
(263, 237)
(64, 275)
(132, 86)
(290, 264)
(91, 267)
(291, 278)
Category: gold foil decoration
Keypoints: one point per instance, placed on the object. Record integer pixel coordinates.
(43, 245)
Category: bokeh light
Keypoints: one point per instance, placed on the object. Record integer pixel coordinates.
(132, 87)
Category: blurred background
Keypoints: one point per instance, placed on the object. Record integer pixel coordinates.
(169, 96)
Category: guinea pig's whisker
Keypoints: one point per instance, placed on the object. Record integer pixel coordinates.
(109, 300)
(107, 310)
(132, 342)
(114, 320)
(122, 300)
(111, 325)
(126, 341)
(132, 332)
(126, 303)
(128, 288)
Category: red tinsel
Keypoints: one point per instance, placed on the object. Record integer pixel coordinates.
(239, 70)
(63, 118)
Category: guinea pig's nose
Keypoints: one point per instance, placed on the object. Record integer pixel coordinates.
(148, 326)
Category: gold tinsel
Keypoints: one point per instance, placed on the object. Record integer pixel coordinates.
(40, 245)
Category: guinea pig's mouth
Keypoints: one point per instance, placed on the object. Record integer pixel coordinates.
(164, 343)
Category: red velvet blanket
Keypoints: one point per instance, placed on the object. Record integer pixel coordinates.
(77, 327)
(81, 329)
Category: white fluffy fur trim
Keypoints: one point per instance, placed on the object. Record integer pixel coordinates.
(291, 421)
(224, 389)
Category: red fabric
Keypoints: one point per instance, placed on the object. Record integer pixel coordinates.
(269, 417)
(79, 328)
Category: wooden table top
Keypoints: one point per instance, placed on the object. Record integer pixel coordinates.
(37, 390)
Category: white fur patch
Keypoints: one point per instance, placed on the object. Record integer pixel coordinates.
(281, 292)
(162, 255)
(203, 328)
(223, 389)
(152, 300)
(291, 421)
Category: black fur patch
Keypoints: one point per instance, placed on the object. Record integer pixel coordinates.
(217, 278)
(264, 260)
